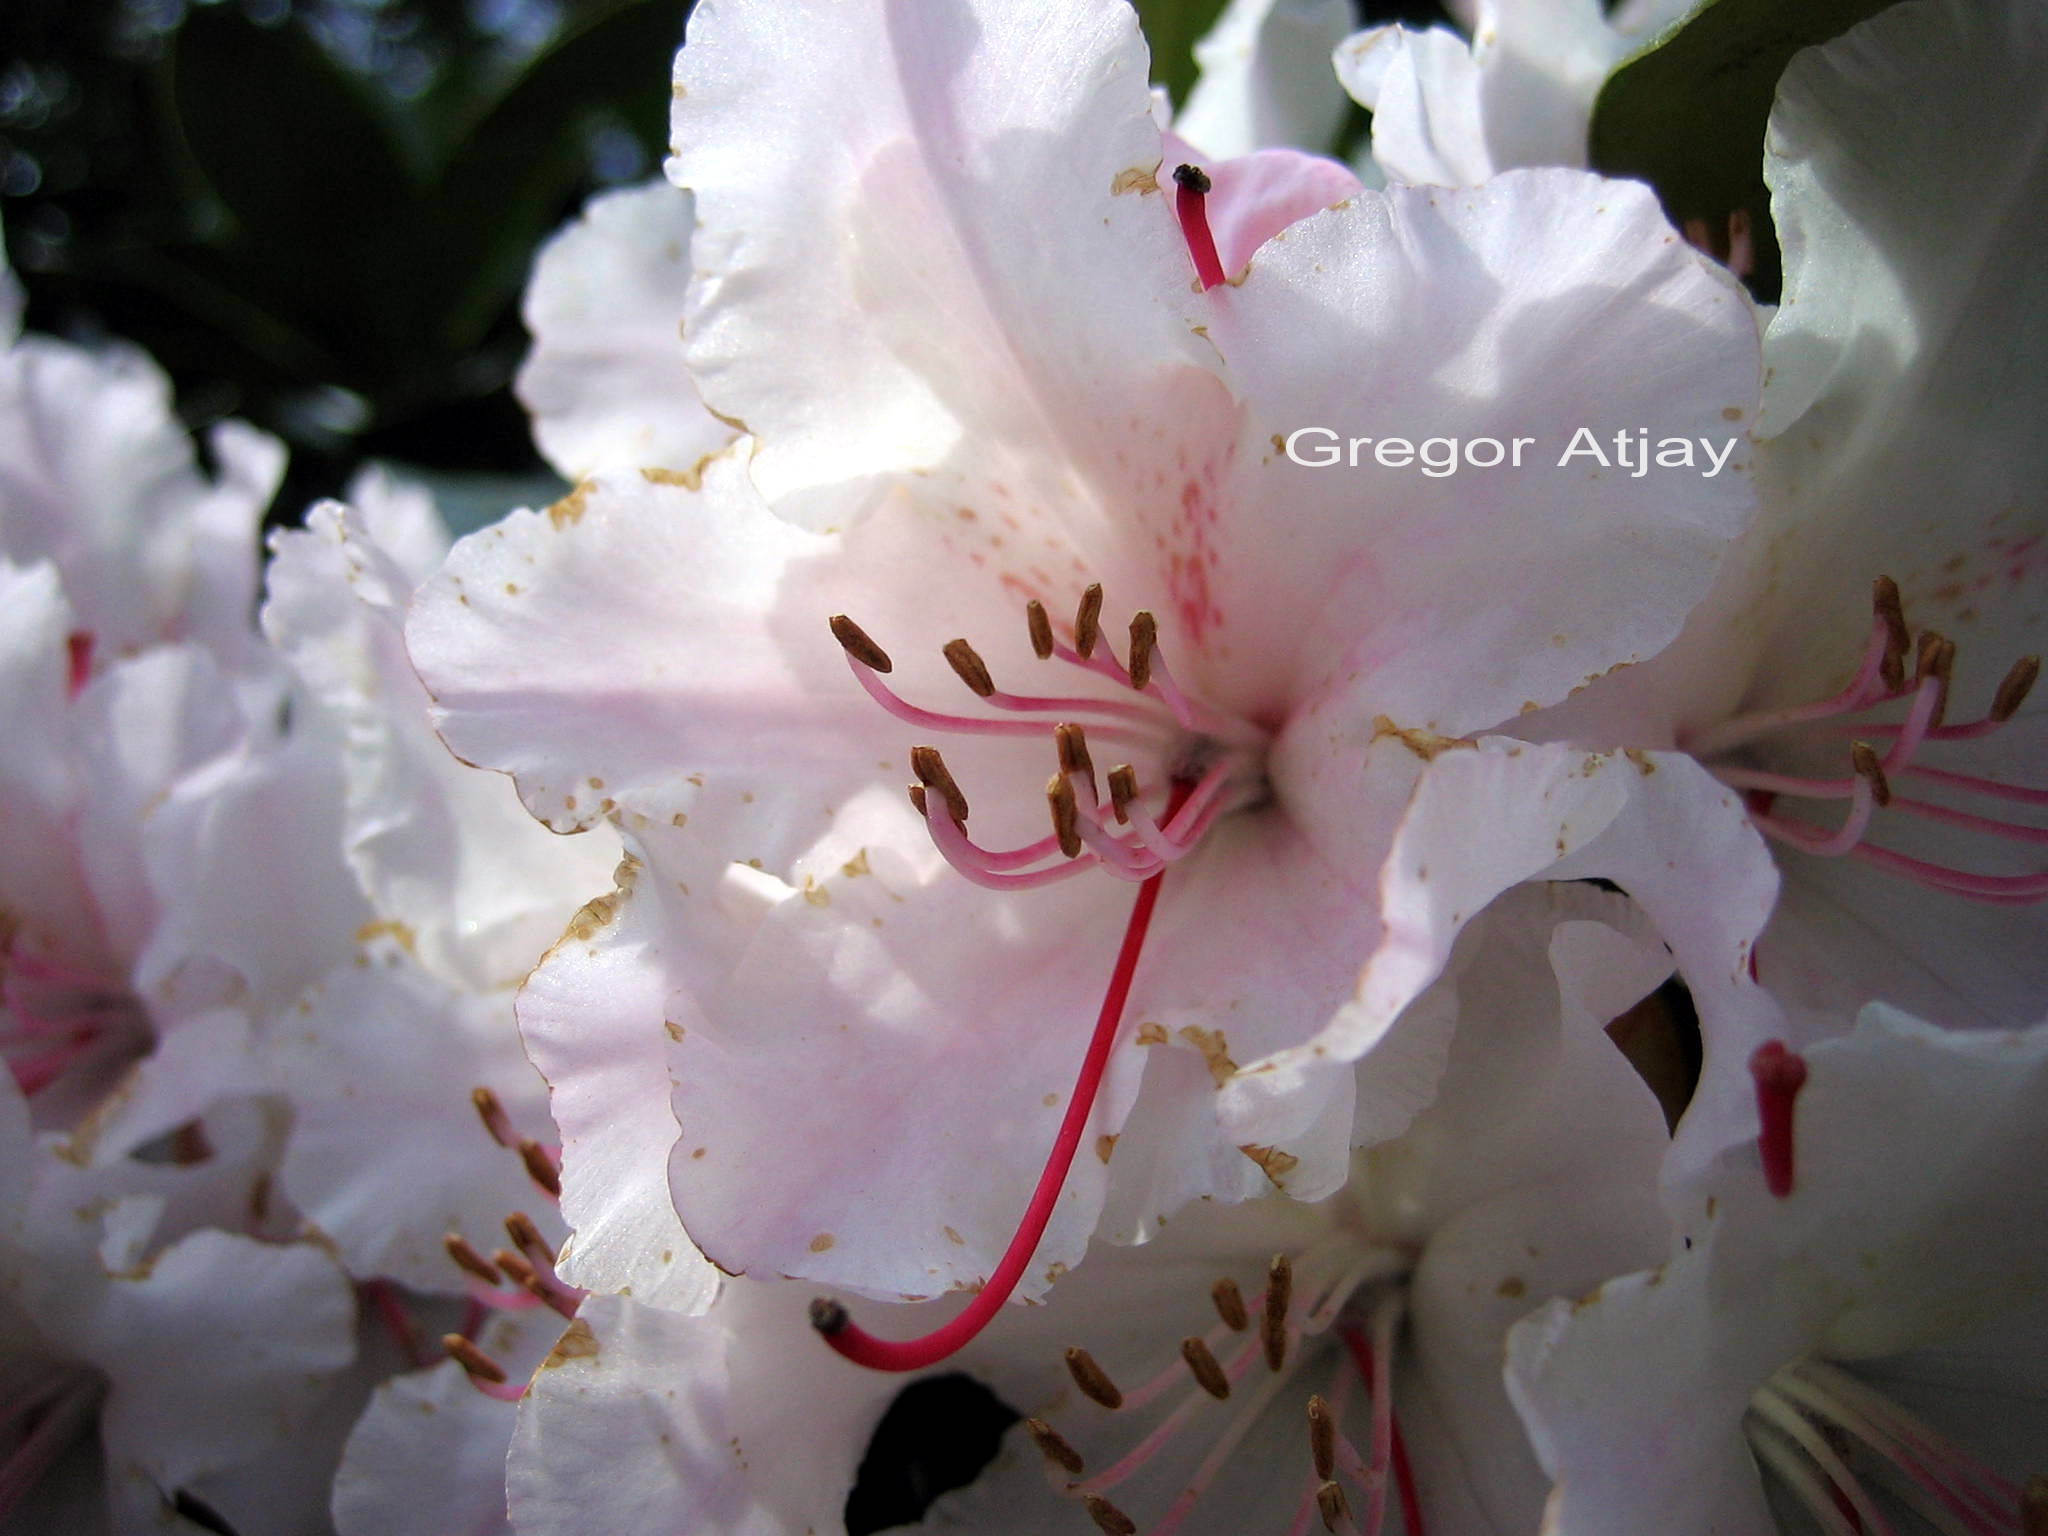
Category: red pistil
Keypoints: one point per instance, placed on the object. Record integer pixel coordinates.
(1404, 1473)
(862, 1347)
(1190, 202)
(78, 648)
(1779, 1074)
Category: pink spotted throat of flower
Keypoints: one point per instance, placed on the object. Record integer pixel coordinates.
(1883, 679)
(1130, 825)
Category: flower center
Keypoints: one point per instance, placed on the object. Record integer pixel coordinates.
(1203, 765)
(1882, 679)
(1209, 762)
(1822, 1432)
(62, 1024)
(1346, 1290)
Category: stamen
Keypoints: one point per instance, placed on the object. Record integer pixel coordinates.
(493, 1115)
(384, 1301)
(1333, 1506)
(1053, 1445)
(972, 669)
(1107, 1517)
(1322, 1438)
(1092, 1379)
(1123, 789)
(1072, 743)
(931, 769)
(1937, 660)
(1190, 205)
(1144, 640)
(1780, 1413)
(1059, 796)
(1203, 1367)
(541, 1167)
(858, 645)
(1891, 613)
(527, 1239)
(1087, 621)
(1782, 1457)
(1041, 629)
(467, 1258)
(1864, 757)
(2012, 693)
(1779, 1075)
(1230, 1304)
(1273, 1319)
(863, 1348)
(471, 1359)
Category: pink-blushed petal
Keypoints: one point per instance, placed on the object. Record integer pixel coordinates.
(386, 1154)
(1540, 305)
(956, 213)
(444, 852)
(593, 1017)
(605, 381)
(427, 1458)
(1481, 819)
(1254, 197)
(1266, 80)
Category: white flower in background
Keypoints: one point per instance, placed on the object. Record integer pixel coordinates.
(1266, 80)
(1388, 1302)
(1900, 446)
(605, 382)
(152, 1299)
(943, 269)
(1855, 1327)
(1453, 112)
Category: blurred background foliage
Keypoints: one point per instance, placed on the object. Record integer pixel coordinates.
(318, 215)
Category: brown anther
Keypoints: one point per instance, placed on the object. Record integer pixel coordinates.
(469, 1260)
(492, 1113)
(1870, 766)
(1123, 789)
(522, 1273)
(1107, 1517)
(1322, 1438)
(1333, 1506)
(1193, 177)
(1087, 621)
(973, 671)
(1053, 1446)
(2012, 693)
(1230, 1304)
(1072, 743)
(1092, 1379)
(1144, 640)
(1884, 601)
(540, 1167)
(917, 800)
(527, 1239)
(931, 769)
(1041, 629)
(472, 1359)
(1066, 819)
(859, 646)
(1203, 1367)
(828, 1316)
(1273, 1320)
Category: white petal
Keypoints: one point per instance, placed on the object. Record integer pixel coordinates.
(1266, 80)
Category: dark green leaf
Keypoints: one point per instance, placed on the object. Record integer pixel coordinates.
(1688, 114)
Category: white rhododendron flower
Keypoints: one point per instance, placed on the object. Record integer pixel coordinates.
(1892, 1207)
(1380, 1310)
(1453, 112)
(1894, 757)
(937, 260)
(1266, 80)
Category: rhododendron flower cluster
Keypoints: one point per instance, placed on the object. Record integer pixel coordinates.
(951, 869)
